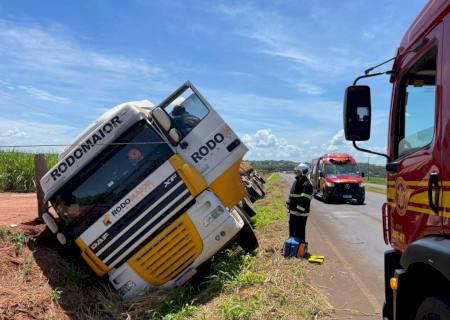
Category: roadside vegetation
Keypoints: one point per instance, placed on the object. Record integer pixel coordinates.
(38, 281)
(381, 181)
(17, 171)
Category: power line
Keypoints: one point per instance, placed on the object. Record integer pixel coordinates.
(79, 144)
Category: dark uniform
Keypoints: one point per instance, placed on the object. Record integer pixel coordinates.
(183, 120)
(298, 205)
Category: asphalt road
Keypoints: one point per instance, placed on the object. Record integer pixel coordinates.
(350, 237)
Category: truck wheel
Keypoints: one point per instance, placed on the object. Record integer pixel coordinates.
(246, 238)
(325, 197)
(254, 193)
(201, 277)
(248, 207)
(434, 308)
(360, 200)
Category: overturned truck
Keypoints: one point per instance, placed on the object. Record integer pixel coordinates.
(149, 194)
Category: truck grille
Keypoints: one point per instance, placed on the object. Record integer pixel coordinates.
(347, 187)
(169, 253)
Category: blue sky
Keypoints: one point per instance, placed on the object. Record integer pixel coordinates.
(276, 71)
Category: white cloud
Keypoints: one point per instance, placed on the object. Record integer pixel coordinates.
(309, 88)
(278, 38)
(20, 132)
(266, 145)
(43, 95)
(56, 52)
(336, 141)
(13, 133)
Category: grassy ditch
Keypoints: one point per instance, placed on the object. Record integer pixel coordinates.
(39, 282)
(17, 171)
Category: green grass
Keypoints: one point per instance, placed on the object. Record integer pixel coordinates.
(17, 171)
(226, 274)
(272, 207)
(376, 181)
(375, 189)
(240, 309)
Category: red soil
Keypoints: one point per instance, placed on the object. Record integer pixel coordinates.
(16, 208)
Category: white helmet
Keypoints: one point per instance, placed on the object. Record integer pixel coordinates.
(302, 167)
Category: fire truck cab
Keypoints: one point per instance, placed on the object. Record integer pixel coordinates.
(416, 216)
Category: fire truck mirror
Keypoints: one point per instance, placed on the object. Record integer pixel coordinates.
(357, 113)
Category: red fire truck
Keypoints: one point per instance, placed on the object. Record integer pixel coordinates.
(416, 216)
(336, 176)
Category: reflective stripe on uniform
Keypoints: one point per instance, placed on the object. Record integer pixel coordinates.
(301, 208)
(293, 195)
(298, 214)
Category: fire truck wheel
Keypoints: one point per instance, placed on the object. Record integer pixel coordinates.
(434, 308)
(247, 207)
(246, 238)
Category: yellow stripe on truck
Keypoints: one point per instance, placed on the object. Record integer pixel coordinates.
(169, 253)
(91, 259)
(228, 186)
(193, 180)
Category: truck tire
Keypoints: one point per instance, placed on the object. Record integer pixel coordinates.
(434, 308)
(254, 193)
(325, 197)
(246, 238)
(201, 277)
(360, 200)
(248, 208)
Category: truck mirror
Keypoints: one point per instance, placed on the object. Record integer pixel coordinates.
(357, 112)
(362, 175)
(175, 135)
(162, 119)
(321, 174)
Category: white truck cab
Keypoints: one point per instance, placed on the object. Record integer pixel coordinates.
(149, 193)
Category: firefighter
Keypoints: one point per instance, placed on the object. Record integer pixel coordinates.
(299, 202)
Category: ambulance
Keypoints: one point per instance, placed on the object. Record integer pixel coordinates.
(148, 193)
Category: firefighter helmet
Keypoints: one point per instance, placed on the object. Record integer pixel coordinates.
(302, 167)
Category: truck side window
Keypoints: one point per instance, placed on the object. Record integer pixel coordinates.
(186, 112)
(417, 105)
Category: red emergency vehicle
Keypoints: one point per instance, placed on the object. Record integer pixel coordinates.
(416, 216)
(336, 176)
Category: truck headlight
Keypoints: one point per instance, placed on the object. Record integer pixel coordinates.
(361, 184)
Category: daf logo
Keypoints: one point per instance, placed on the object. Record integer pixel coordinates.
(347, 186)
(169, 181)
(99, 241)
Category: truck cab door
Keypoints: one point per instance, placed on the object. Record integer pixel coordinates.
(416, 145)
(207, 142)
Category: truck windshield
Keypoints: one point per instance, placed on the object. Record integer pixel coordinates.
(334, 170)
(111, 175)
